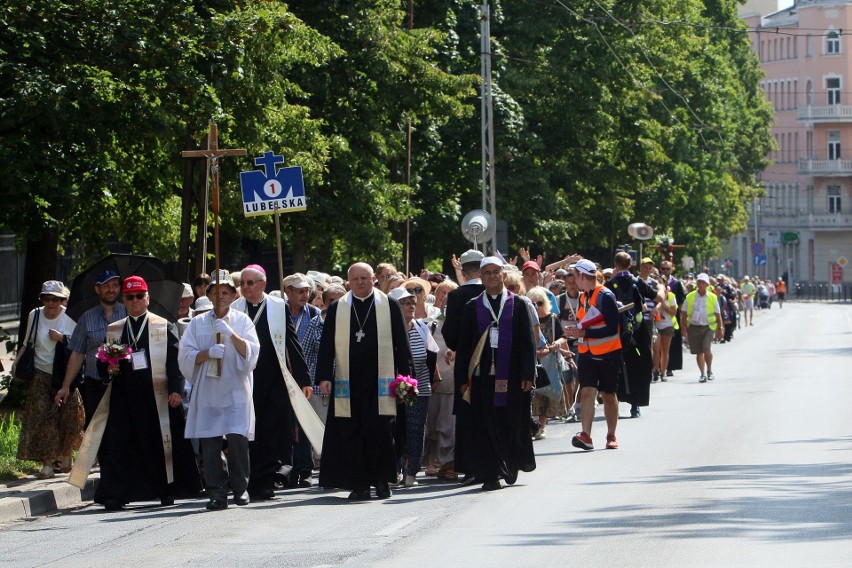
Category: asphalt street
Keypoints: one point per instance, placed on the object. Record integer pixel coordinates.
(752, 469)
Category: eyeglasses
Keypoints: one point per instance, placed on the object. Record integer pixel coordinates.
(130, 297)
(415, 289)
(249, 282)
(50, 299)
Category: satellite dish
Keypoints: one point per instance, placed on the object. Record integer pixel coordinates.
(478, 226)
(640, 231)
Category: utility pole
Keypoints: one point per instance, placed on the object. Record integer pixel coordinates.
(489, 197)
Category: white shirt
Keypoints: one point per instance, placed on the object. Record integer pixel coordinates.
(44, 346)
(219, 405)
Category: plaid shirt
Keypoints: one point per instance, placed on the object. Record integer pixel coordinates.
(310, 346)
(90, 333)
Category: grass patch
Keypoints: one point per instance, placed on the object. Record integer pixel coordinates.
(10, 466)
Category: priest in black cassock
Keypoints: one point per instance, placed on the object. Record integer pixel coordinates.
(364, 346)
(143, 454)
(272, 446)
(451, 329)
(495, 366)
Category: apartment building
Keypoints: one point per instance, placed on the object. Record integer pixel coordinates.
(802, 226)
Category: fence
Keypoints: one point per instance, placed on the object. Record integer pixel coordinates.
(821, 292)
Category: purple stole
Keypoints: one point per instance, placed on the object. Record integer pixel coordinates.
(500, 367)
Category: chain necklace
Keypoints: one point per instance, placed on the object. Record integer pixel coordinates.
(360, 333)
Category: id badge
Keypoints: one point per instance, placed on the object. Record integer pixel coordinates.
(138, 360)
(495, 337)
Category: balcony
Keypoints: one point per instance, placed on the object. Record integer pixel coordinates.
(809, 167)
(804, 221)
(828, 113)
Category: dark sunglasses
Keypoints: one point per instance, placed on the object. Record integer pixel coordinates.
(416, 289)
(47, 299)
(249, 282)
(129, 297)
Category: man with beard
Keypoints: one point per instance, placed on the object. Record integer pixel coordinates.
(495, 366)
(364, 347)
(142, 452)
(456, 301)
(88, 336)
(272, 447)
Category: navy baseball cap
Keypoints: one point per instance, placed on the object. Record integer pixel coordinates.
(106, 276)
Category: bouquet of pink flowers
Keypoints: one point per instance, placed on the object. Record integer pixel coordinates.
(112, 352)
(404, 388)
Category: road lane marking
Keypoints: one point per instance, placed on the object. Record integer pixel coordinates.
(396, 526)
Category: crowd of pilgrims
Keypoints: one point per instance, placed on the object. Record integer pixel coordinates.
(253, 392)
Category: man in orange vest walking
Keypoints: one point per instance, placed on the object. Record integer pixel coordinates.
(781, 291)
(600, 361)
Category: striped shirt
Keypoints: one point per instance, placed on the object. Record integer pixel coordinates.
(90, 333)
(418, 354)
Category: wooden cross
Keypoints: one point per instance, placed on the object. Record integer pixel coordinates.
(213, 153)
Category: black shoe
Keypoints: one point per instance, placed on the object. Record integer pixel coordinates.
(670, 373)
(492, 485)
(655, 377)
(468, 479)
(305, 482)
(383, 491)
(664, 378)
(635, 412)
(113, 505)
(263, 495)
(217, 505)
(167, 501)
(242, 500)
(360, 495)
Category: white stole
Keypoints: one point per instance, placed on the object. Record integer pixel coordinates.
(306, 415)
(157, 349)
(343, 322)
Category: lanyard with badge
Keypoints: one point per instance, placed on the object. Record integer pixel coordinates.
(495, 325)
(138, 360)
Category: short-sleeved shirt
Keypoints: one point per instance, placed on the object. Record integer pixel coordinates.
(90, 333)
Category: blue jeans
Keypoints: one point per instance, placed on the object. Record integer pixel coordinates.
(415, 432)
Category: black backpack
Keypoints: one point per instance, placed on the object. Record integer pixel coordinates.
(629, 325)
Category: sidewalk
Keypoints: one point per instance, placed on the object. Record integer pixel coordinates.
(30, 497)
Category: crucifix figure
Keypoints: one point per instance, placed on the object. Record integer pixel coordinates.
(213, 153)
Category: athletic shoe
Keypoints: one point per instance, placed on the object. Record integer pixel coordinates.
(710, 376)
(410, 481)
(611, 442)
(583, 441)
(702, 379)
(664, 378)
(540, 435)
(634, 411)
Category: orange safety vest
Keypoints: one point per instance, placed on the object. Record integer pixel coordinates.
(597, 345)
(781, 287)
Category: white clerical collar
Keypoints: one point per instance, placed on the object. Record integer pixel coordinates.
(360, 298)
(140, 316)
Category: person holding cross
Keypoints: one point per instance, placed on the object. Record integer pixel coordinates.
(364, 346)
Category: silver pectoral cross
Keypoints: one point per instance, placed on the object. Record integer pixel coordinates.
(360, 335)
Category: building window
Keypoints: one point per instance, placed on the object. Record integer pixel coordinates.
(809, 93)
(834, 145)
(832, 43)
(809, 46)
(809, 144)
(834, 199)
(832, 88)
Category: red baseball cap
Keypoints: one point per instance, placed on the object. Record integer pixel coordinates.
(133, 284)
(531, 264)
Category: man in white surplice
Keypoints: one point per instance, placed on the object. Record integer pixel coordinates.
(218, 352)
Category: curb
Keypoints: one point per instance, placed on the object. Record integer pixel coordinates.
(29, 498)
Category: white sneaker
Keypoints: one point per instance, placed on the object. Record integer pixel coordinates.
(540, 435)
(46, 472)
(710, 376)
(410, 481)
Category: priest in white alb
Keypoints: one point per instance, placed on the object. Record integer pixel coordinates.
(218, 352)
